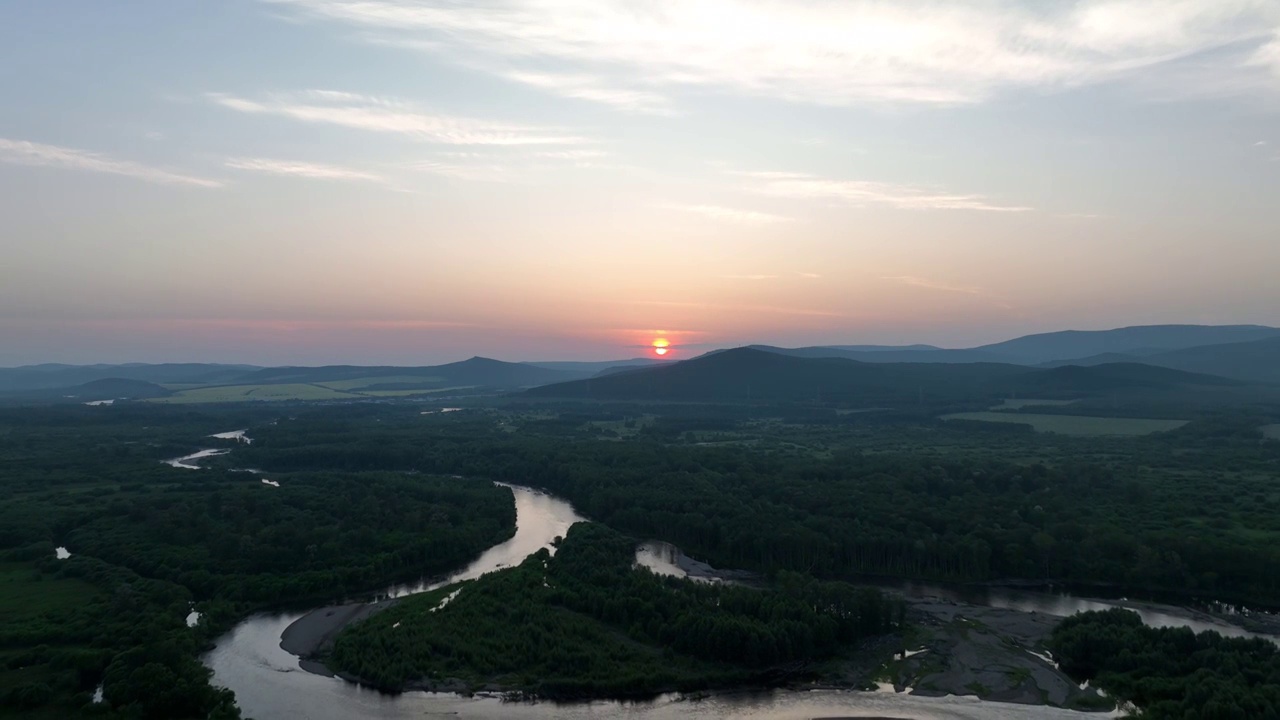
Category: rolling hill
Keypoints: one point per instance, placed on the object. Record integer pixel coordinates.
(1257, 361)
(754, 375)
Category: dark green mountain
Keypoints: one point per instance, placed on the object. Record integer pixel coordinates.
(917, 354)
(593, 368)
(753, 375)
(92, 391)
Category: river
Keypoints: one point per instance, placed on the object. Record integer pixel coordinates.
(270, 685)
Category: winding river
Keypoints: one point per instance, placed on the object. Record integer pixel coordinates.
(270, 685)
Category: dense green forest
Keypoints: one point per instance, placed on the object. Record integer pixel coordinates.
(148, 541)
(587, 623)
(1171, 674)
(812, 490)
(1188, 512)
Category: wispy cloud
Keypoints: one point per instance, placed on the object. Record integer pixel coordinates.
(767, 309)
(392, 116)
(1260, 143)
(867, 193)
(22, 152)
(934, 285)
(293, 168)
(859, 51)
(594, 89)
(466, 170)
(733, 215)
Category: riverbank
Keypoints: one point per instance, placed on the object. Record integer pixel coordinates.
(953, 648)
(312, 634)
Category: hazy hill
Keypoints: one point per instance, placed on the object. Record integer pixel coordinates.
(40, 377)
(477, 371)
(1142, 341)
(750, 375)
(1257, 361)
(916, 354)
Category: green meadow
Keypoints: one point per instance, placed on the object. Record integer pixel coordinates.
(1074, 424)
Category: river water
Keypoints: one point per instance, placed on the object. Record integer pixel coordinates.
(270, 685)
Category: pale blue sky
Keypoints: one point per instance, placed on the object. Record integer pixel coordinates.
(414, 181)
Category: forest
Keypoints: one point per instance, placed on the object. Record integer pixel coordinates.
(1186, 513)
(149, 542)
(586, 623)
(1171, 673)
(368, 494)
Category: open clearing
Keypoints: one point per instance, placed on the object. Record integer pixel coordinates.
(359, 383)
(340, 390)
(1030, 402)
(23, 594)
(1075, 425)
(250, 393)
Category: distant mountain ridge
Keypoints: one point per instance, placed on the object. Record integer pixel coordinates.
(1256, 361)
(1139, 340)
(1242, 352)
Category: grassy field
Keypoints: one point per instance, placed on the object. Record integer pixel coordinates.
(359, 383)
(336, 390)
(1075, 425)
(1030, 402)
(24, 594)
(1271, 431)
(407, 393)
(252, 393)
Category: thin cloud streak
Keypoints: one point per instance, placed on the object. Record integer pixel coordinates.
(733, 215)
(931, 52)
(22, 152)
(934, 285)
(862, 193)
(383, 115)
(585, 87)
(741, 308)
(293, 168)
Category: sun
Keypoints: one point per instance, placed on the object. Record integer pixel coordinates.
(661, 346)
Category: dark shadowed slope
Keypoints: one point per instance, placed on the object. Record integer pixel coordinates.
(593, 368)
(477, 371)
(1139, 341)
(1112, 377)
(751, 375)
(919, 354)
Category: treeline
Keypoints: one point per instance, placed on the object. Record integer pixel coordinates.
(587, 623)
(1148, 516)
(1168, 673)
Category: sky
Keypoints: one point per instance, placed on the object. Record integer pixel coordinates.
(420, 181)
